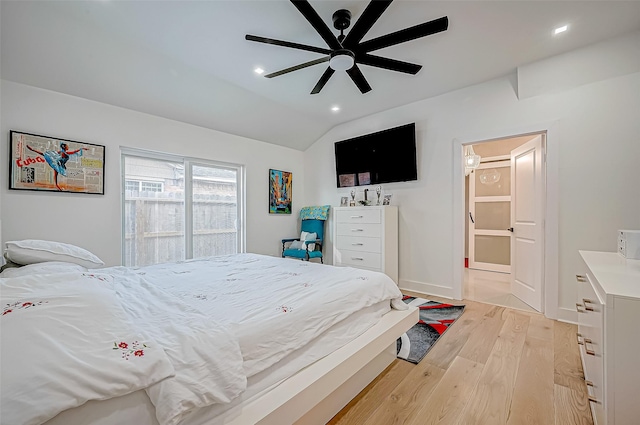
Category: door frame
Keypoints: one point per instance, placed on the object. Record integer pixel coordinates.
(550, 257)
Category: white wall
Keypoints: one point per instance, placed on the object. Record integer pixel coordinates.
(94, 221)
(593, 152)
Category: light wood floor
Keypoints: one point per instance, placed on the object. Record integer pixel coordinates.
(491, 288)
(494, 366)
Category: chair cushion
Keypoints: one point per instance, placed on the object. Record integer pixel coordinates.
(315, 254)
(297, 253)
(300, 253)
(318, 213)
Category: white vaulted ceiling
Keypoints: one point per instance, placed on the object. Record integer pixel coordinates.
(189, 61)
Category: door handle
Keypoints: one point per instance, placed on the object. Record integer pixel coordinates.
(510, 229)
(471, 217)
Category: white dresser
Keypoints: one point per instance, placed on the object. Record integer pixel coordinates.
(609, 335)
(367, 238)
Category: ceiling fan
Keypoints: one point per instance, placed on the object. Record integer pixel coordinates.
(346, 52)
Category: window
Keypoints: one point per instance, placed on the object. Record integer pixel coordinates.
(138, 186)
(151, 187)
(178, 208)
(132, 186)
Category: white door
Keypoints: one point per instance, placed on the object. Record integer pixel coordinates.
(527, 191)
(490, 217)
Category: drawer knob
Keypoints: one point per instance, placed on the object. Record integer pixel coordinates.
(579, 336)
(586, 349)
(357, 216)
(578, 308)
(357, 230)
(357, 258)
(586, 307)
(357, 244)
(580, 278)
(589, 383)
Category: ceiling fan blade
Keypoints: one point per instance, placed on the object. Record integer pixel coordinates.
(297, 67)
(407, 34)
(323, 80)
(358, 79)
(365, 22)
(287, 44)
(390, 64)
(316, 22)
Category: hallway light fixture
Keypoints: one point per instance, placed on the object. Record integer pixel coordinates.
(471, 160)
(490, 177)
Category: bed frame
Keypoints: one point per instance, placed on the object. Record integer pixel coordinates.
(315, 394)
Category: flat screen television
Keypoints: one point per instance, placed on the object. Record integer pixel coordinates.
(384, 157)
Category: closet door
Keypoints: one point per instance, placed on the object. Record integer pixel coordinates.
(490, 217)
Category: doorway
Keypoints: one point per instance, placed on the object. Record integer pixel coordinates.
(504, 210)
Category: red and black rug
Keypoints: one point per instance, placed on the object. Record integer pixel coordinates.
(435, 319)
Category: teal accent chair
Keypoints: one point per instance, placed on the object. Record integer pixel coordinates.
(312, 220)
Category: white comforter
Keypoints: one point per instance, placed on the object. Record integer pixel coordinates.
(66, 340)
(72, 337)
(205, 326)
(273, 306)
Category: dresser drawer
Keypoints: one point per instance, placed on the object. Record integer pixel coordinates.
(369, 260)
(360, 244)
(359, 229)
(590, 307)
(591, 330)
(367, 238)
(594, 378)
(359, 215)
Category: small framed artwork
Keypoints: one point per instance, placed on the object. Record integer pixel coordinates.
(58, 165)
(346, 180)
(386, 200)
(280, 184)
(344, 201)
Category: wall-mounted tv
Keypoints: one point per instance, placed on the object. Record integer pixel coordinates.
(384, 157)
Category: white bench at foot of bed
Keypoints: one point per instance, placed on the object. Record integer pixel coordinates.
(315, 394)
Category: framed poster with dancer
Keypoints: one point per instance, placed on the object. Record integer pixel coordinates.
(58, 165)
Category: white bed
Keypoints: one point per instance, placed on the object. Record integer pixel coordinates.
(310, 336)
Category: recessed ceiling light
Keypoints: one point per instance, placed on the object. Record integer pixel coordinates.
(560, 29)
(258, 71)
(335, 108)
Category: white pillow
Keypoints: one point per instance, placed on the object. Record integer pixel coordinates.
(43, 268)
(306, 236)
(297, 245)
(32, 251)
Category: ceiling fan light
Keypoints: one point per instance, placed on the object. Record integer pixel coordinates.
(341, 60)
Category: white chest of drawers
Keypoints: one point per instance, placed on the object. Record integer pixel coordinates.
(367, 238)
(609, 335)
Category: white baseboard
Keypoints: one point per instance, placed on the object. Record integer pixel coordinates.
(426, 288)
(567, 315)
